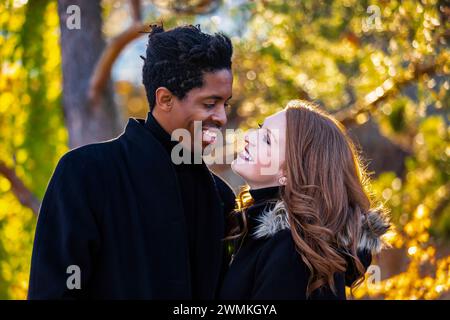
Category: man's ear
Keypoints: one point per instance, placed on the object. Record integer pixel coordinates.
(164, 99)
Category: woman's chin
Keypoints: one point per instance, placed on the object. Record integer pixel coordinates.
(238, 166)
(234, 166)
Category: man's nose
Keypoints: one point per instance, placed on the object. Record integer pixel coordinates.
(220, 116)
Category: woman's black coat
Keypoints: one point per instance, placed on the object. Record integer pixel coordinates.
(267, 265)
(113, 209)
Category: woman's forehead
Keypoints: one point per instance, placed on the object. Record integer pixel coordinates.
(276, 120)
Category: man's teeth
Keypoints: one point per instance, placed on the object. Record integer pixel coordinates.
(209, 135)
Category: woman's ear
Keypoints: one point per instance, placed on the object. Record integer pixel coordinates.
(282, 180)
(164, 99)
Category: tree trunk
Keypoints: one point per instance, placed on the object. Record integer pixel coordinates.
(81, 48)
(381, 153)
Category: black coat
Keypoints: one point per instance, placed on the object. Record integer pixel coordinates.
(267, 264)
(114, 210)
(271, 269)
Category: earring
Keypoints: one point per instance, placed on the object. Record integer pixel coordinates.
(282, 181)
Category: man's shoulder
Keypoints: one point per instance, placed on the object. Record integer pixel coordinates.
(91, 156)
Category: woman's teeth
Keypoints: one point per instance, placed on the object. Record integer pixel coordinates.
(209, 136)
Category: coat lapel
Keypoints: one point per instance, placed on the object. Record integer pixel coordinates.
(218, 229)
(162, 212)
(159, 199)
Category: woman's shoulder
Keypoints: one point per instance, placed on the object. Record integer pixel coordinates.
(271, 229)
(282, 241)
(280, 272)
(279, 250)
(270, 221)
(283, 274)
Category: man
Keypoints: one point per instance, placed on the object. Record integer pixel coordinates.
(119, 219)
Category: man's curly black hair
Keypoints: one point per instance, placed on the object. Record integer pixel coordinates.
(178, 58)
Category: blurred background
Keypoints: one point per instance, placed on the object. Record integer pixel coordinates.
(71, 75)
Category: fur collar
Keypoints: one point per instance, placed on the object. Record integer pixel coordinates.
(274, 218)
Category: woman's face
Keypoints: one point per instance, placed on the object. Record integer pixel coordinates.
(260, 163)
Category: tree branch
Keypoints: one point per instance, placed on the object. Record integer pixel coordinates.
(102, 70)
(135, 6)
(442, 203)
(185, 7)
(23, 194)
(388, 89)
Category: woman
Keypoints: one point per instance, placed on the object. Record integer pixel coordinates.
(307, 226)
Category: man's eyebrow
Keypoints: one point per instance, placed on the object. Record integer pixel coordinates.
(215, 97)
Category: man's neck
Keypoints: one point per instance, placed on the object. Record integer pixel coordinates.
(161, 121)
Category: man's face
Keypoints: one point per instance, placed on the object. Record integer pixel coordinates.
(206, 104)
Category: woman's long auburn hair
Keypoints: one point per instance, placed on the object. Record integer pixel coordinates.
(325, 195)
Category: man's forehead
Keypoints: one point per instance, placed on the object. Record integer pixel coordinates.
(217, 85)
(221, 77)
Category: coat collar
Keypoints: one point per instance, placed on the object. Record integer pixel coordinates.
(274, 218)
(158, 131)
(265, 194)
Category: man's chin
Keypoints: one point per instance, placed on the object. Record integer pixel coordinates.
(207, 148)
(200, 147)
